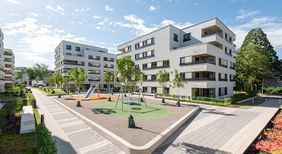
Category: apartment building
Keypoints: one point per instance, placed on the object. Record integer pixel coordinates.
(202, 53)
(2, 73)
(9, 67)
(94, 60)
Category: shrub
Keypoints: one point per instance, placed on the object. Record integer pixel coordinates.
(241, 95)
(45, 142)
(273, 90)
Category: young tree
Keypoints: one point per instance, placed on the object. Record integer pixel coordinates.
(51, 80)
(177, 82)
(128, 74)
(252, 66)
(163, 78)
(77, 75)
(108, 78)
(65, 82)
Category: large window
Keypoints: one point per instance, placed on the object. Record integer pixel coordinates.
(187, 37)
(222, 62)
(68, 47)
(77, 48)
(222, 91)
(175, 37)
(144, 43)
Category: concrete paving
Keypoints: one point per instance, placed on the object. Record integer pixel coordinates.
(71, 134)
(220, 130)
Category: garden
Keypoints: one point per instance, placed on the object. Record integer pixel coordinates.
(11, 141)
(270, 140)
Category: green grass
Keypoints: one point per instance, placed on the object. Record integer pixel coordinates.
(57, 91)
(139, 111)
(18, 143)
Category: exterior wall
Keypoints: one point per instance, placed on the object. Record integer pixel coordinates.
(2, 73)
(9, 67)
(165, 48)
(82, 56)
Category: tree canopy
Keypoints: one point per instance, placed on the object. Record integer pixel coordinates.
(77, 75)
(37, 71)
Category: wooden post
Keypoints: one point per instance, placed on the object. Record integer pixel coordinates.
(42, 119)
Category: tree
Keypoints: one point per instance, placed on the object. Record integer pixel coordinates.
(163, 78)
(40, 70)
(252, 66)
(65, 82)
(20, 73)
(129, 75)
(257, 37)
(177, 82)
(126, 70)
(77, 75)
(108, 78)
(51, 80)
(30, 73)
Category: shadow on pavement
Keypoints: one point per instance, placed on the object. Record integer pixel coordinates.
(63, 147)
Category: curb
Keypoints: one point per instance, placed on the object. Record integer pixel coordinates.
(125, 145)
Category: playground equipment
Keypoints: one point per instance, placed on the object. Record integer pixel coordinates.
(90, 92)
(123, 98)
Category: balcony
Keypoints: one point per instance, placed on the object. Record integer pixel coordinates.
(106, 66)
(198, 76)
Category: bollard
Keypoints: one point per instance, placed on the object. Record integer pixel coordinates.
(59, 96)
(110, 99)
(42, 119)
(78, 104)
(131, 123)
(163, 100)
(141, 99)
(34, 104)
(177, 104)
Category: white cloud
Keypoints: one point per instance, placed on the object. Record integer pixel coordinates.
(166, 22)
(37, 42)
(272, 26)
(97, 17)
(152, 8)
(15, 2)
(57, 9)
(243, 14)
(13, 14)
(139, 28)
(34, 14)
(108, 8)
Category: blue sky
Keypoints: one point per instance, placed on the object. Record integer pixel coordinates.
(33, 28)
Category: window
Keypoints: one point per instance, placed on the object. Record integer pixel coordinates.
(77, 48)
(145, 66)
(222, 91)
(154, 64)
(166, 63)
(225, 35)
(175, 37)
(68, 47)
(182, 60)
(68, 53)
(153, 89)
(79, 55)
(187, 37)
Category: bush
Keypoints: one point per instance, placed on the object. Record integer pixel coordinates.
(45, 142)
(15, 91)
(273, 90)
(241, 95)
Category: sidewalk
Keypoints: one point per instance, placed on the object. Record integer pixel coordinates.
(70, 133)
(221, 129)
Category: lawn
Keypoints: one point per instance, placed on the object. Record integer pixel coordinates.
(138, 110)
(18, 143)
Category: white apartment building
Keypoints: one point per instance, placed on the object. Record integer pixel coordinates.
(203, 53)
(9, 67)
(2, 73)
(94, 60)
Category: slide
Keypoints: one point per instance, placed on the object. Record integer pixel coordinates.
(90, 92)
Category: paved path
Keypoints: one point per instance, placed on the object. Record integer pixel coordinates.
(220, 130)
(70, 133)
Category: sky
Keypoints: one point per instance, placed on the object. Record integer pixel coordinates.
(33, 28)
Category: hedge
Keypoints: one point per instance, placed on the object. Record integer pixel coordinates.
(273, 90)
(45, 142)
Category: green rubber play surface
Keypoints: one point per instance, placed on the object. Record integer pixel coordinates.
(138, 110)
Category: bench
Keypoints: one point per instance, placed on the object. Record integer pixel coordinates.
(27, 120)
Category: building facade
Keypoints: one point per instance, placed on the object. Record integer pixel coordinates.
(9, 68)
(7, 65)
(94, 60)
(203, 54)
(2, 73)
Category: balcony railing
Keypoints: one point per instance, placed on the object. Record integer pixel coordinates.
(198, 62)
(220, 79)
(200, 79)
(222, 65)
(213, 33)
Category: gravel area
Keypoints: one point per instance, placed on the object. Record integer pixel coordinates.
(149, 128)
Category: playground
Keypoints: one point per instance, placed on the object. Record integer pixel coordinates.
(151, 117)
